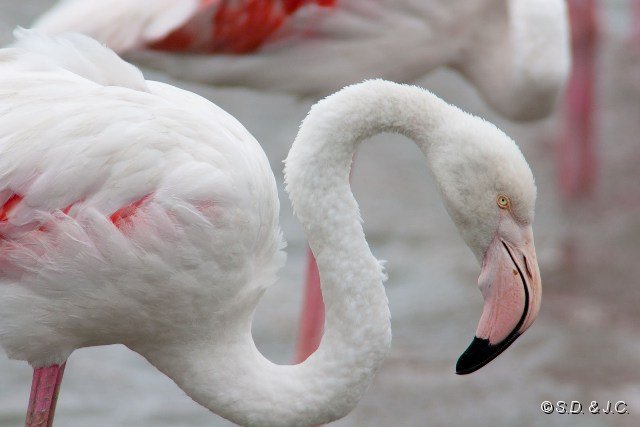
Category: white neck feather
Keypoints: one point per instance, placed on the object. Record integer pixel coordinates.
(230, 376)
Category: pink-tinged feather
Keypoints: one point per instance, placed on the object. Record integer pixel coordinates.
(9, 205)
(124, 215)
(119, 218)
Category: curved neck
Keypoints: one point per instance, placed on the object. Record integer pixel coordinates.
(230, 376)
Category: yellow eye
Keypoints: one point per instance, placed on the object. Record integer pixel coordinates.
(503, 201)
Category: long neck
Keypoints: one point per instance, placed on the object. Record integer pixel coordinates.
(234, 379)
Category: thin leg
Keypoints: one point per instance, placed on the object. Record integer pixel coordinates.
(312, 322)
(577, 160)
(44, 395)
(636, 23)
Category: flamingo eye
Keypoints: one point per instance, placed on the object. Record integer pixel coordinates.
(503, 201)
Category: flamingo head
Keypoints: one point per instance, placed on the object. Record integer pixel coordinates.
(489, 191)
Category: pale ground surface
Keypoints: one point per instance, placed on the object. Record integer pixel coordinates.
(584, 346)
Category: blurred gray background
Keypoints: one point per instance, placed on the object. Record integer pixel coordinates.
(584, 346)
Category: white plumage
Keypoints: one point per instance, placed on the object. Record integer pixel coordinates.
(81, 127)
(137, 213)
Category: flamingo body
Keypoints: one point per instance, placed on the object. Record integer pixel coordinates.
(84, 227)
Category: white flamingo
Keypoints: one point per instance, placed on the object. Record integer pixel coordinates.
(515, 52)
(134, 212)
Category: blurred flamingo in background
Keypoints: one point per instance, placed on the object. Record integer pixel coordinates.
(515, 52)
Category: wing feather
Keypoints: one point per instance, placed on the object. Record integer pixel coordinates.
(120, 24)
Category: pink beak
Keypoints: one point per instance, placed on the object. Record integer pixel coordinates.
(511, 287)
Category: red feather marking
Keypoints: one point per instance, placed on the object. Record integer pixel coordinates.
(124, 216)
(293, 5)
(236, 26)
(177, 41)
(68, 208)
(29, 242)
(120, 217)
(8, 206)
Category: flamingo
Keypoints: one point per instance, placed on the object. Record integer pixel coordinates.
(138, 213)
(515, 52)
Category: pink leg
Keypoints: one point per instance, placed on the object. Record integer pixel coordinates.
(44, 395)
(312, 322)
(636, 23)
(577, 157)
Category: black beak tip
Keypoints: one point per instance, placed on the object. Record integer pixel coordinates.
(480, 352)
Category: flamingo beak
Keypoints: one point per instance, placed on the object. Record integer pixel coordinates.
(511, 287)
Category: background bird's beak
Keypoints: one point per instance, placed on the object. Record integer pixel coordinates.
(510, 285)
